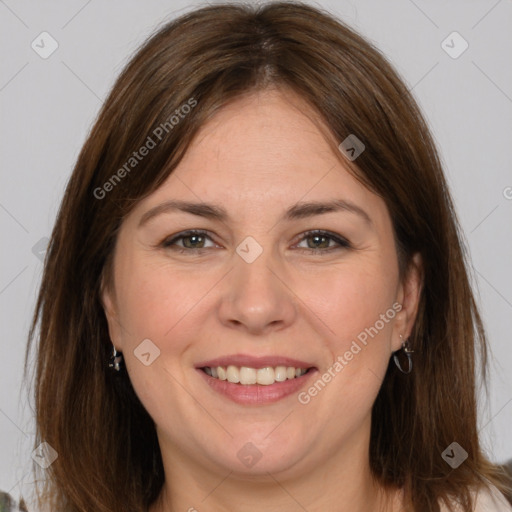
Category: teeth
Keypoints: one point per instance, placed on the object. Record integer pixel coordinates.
(266, 376)
(280, 373)
(233, 374)
(250, 376)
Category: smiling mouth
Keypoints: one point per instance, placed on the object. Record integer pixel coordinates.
(247, 376)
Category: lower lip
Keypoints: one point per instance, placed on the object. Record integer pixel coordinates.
(256, 394)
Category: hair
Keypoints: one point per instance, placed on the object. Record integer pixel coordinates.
(109, 457)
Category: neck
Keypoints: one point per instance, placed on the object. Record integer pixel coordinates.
(341, 483)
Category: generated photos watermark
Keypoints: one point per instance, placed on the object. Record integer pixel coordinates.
(151, 142)
(304, 397)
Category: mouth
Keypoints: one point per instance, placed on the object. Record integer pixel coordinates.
(255, 380)
(247, 376)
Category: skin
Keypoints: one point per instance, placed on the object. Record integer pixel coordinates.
(256, 157)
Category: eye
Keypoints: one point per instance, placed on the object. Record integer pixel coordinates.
(195, 239)
(321, 241)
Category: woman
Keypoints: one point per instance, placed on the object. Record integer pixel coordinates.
(256, 289)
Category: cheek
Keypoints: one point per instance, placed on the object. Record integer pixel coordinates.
(155, 303)
(355, 309)
(155, 299)
(349, 303)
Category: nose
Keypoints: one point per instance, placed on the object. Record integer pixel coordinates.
(256, 297)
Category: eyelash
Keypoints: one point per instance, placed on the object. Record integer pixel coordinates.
(342, 242)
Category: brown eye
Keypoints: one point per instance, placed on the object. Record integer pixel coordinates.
(318, 241)
(191, 240)
(321, 241)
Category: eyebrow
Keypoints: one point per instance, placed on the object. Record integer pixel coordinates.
(216, 212)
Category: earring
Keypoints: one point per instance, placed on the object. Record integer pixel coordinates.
(406, 349)
(115, 359)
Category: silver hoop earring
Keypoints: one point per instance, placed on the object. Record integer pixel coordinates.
(406, 349)
(115, 359)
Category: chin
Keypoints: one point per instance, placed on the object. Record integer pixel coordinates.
(247, 457)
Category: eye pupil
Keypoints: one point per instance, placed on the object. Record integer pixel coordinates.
(190, 237)
(316, 238)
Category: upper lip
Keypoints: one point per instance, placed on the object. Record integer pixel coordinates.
(254, 362)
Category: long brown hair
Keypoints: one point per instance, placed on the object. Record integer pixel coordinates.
(109, 459)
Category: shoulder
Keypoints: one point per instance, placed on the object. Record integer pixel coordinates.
(491, 500)
(488, 499)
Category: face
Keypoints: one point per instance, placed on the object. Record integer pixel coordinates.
(268, 288)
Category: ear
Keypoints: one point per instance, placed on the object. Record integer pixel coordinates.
(409, 293)
(107, 296)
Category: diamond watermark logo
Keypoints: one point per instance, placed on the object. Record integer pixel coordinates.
(147, 352)
(249, 250)
(455, 455)
(454, 45)
(352, 147)
(44, 455)
(249, 455)
(44, 45)
(39, 249)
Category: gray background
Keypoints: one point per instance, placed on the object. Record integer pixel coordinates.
(49, 104)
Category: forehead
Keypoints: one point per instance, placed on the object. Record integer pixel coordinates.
(271, 132)
(262, 152)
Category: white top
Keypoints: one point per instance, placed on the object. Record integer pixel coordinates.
(489, 500)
